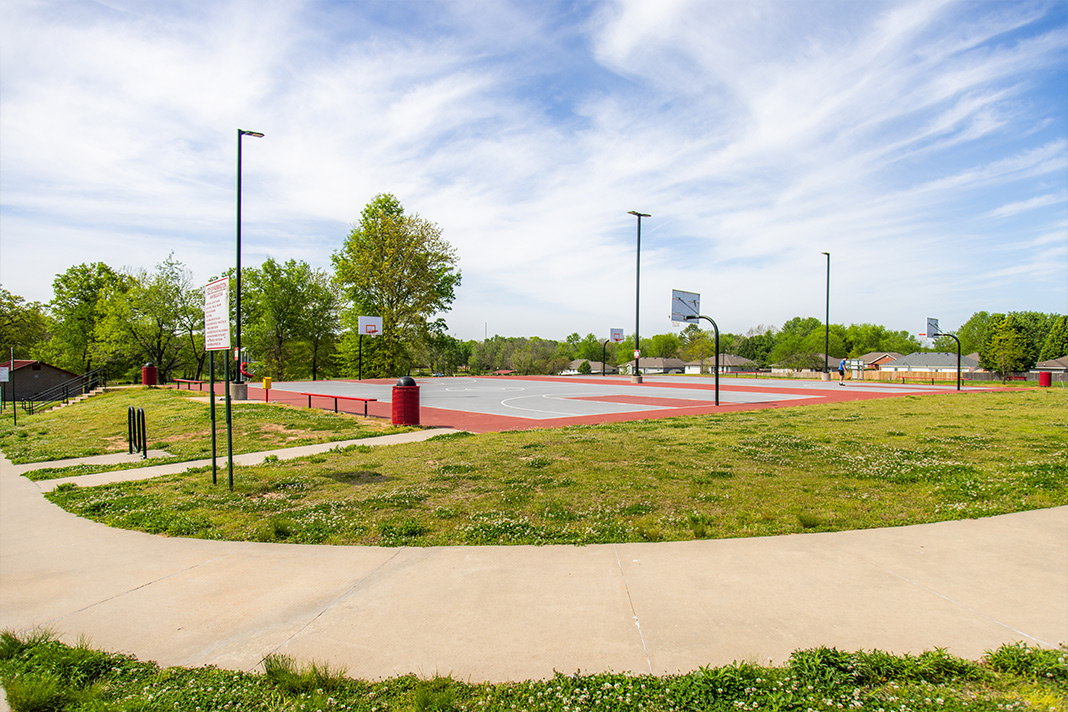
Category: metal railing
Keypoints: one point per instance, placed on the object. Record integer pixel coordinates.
(65, 391)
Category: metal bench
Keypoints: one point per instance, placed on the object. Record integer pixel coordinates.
(337, 398)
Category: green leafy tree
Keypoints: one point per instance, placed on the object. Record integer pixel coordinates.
(149, 319)
(77, 310)
(277, 301)
(757, 345)
(585, 368)
(398, 267)
(23, 326)
(1006, 349)
(663, 346)
(972, 334)
(1056, 344)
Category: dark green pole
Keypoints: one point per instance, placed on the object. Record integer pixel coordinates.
(211, 399)
(229, 430)
(636, 375)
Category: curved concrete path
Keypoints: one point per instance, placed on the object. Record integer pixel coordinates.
(509, 613)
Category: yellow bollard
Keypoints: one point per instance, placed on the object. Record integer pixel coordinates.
(266, 388)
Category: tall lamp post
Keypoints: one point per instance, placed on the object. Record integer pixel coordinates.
(827, 319)
(636, 376)
(239, 377)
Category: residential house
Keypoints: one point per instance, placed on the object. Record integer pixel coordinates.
(655, 365)
(595, 368)
(932, 362)
(727, 363)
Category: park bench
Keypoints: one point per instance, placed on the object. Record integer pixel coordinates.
(189, 383)
(337, 398)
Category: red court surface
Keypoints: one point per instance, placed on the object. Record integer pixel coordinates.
(495, 403)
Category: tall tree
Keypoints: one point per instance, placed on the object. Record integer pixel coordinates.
(77, 310)
(398, 267)
(1006, 349)
(148, 320)
(278, 299)
(23, 326)
(1056, 345)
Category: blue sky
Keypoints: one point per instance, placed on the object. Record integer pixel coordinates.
(924, 144)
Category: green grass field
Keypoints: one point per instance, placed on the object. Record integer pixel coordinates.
(40, 674)
(857, 465)
(178, 422)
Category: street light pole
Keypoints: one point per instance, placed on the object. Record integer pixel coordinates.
(636, 376)
(827, 317)
(240, 133)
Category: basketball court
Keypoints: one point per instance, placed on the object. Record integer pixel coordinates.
(496, 403)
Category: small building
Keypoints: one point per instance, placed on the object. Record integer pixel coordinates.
(930, 362)
(877, 359)
(32, 378)
(595, 368)
(1054, 365)
(728, 363)
(649, 366)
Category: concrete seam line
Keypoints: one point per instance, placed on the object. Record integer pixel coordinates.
(967, 608)
(340, 597)
(634, 614)
(197, 565)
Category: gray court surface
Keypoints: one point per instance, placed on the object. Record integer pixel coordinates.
(545, 399)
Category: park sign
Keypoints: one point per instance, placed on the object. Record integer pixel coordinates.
(217, 315)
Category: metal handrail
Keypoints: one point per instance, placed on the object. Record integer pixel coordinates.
(66, 390)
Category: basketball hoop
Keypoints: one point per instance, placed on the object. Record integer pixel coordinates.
(371, 329)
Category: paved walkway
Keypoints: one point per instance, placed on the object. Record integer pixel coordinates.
(506, 613)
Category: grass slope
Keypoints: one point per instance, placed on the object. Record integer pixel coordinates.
(176, 421)
(888, 462)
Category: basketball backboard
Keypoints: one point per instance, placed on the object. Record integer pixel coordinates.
(685, 306)
(370, 325)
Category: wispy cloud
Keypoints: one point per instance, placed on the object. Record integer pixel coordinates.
(913, 140)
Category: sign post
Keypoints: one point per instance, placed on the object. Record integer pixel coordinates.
(686, 306)
(217, 338)
(371, 326)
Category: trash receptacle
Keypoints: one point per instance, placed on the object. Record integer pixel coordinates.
(406, 402)
(149, 376)
(1045, 379)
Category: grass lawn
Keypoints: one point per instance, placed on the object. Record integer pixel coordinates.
(886, 462)
(176, 421)
(40, 674)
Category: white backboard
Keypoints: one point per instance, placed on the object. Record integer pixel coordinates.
(217, 315)
(685, 305)
(370, 325)
(616, 336)
(932, 327)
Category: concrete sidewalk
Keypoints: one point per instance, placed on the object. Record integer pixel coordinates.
(512, 613)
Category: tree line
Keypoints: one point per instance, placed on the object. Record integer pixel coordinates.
(301, 322)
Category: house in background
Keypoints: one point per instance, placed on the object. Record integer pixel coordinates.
(932, 362)
(727, 363)
(1054, 365)
(595, 368)
(31, 378)
(655, 365)
(876, 359)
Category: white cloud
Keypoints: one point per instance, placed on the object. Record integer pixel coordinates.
(913, 140)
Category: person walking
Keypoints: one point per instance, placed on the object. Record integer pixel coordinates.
(841, 372)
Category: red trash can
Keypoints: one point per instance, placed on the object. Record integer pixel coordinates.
(406, 402)
(148, 374)
(1045, 379)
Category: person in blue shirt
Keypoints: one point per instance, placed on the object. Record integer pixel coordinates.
(841, 372)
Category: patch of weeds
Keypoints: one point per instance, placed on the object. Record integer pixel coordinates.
(539, 462)
(444, 513)
(699, 524)
(450, 436)
(284, 673)
(811, 521)
(401, 533)
(712, 476)
(1025, 660)
(437, 694)
(559, 512)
